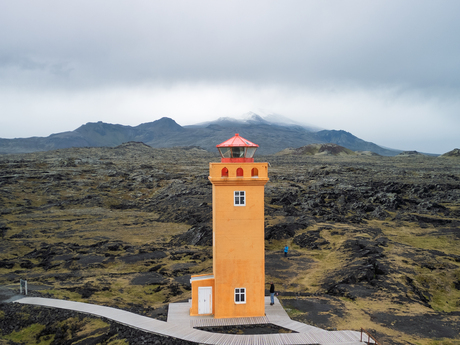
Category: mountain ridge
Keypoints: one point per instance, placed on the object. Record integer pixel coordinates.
(270, 136)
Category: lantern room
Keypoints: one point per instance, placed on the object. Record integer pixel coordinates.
(237, 150)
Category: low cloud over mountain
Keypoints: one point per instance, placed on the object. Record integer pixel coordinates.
(271, 134)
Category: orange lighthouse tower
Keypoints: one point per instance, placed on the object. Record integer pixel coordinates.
(237, 286)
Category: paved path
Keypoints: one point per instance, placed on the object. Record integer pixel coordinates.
(180, 324)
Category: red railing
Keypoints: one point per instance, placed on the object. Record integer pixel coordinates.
(369, 337)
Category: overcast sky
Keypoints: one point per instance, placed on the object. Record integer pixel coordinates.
(386, 71)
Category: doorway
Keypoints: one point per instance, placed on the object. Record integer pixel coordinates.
(205, 300)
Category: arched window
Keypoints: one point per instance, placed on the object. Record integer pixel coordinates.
(255, 172)
(224, 172)
(239, 172)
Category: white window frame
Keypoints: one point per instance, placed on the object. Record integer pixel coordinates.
(238, 196)
(240, 294)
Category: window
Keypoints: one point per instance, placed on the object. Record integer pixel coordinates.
(240, 295)
(255, 172)
(240, 199)
(224, 172)
(239, 172)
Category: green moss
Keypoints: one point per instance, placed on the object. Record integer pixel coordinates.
(445, 301)
(65, 294)
(126, 294)
(114, 341)
(91, 326)
(443, 342)
(29, 335)
(293, 312)
(444, 296)
(446, 244)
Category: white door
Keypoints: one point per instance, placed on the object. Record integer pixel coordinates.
(205, 300)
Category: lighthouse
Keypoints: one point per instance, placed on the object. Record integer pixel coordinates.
(236, 287)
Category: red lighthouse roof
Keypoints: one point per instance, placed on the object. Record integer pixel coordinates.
(237, 141)
(237, 150)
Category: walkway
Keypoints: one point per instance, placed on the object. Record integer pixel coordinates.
(180, 324)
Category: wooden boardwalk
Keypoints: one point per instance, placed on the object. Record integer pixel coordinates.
(180, 324)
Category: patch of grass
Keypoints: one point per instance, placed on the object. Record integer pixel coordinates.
(445, 297)
(290, 311)
(413, 235)
(88, 223)
(65, 294)
(325, 260)
(114, 341)
(28, 335)
(91, 325)
(125, 294)
(443, 342)
(446, 244)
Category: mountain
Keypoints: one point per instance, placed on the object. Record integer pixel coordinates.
(410, 154)
(455, 153)
(351, 142)
(319, 150)
(94, 134)
(271, 136)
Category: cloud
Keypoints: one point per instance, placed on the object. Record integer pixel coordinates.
(355, 65)
(372, 43)
(380, 115)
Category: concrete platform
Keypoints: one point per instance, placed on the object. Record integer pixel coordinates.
(180, 324)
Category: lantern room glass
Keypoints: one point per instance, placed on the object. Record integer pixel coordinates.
(238, 152)
(250, 152)
(225, 152)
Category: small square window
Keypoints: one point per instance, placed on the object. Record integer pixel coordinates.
(240, 295)
(240, 198)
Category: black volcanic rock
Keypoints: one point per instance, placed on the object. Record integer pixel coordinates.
(320, 149)
(410, 154)
(284, 230)
(312, 240)
(197, 235)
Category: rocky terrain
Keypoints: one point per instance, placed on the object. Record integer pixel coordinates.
(373, 240)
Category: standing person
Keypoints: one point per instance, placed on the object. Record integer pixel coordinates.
(286, 251)
(272, 293)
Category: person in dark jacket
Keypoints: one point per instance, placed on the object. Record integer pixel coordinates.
(272, 293)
